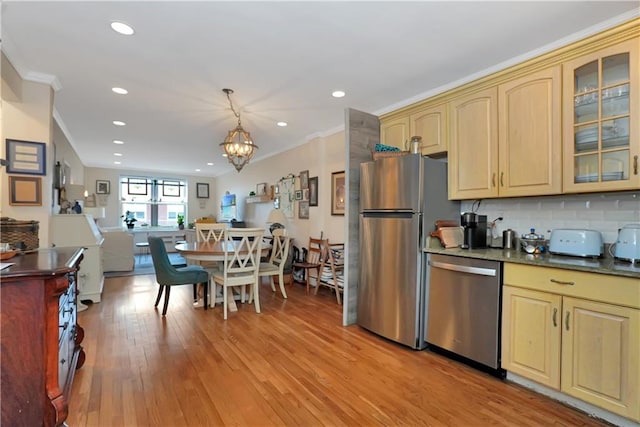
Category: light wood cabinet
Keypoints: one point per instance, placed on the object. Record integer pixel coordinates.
(531, 335)
(395, 132)
(506, 140)
(560, 329)
(473, 147)
(600, 350)
(529, 135)
(431, 124)
(601, 112)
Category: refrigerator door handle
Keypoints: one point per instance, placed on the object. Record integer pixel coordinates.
(463, 268)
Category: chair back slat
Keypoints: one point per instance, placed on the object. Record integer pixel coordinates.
(242, 254)
(206, 232)
(280, 250)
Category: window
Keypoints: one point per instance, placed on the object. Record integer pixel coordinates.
(153, 201)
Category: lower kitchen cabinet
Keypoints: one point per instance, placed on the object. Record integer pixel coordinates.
(600, 350)
(530, 334)
(557, 333)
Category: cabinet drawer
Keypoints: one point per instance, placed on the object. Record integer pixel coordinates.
(617, 290)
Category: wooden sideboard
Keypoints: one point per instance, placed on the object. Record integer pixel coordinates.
(40, 340)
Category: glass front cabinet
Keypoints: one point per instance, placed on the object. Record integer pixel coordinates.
(601, 101)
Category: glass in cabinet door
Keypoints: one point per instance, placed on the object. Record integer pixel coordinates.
(601, 119)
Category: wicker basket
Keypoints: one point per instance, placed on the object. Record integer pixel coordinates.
(20, 234)
(381, 154)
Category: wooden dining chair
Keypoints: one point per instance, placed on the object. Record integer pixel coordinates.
(277, 261)
(332, 272)
(209, 232)
(313, 262)
(241, 264)
(167, 275)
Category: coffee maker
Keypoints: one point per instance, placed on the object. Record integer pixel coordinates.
(475, 230)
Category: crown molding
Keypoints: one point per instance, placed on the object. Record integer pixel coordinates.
(24, 72)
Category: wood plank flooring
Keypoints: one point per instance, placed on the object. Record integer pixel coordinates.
(293, 364)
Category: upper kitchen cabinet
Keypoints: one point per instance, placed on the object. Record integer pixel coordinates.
(473, 148)
(530, 135)
(395, 132)
(601, 112)
(506, 140)
(431, 125)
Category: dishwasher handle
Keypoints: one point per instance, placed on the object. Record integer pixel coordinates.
(463, 268)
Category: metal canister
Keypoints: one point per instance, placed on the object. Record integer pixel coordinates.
(416, 142)
(508, 238)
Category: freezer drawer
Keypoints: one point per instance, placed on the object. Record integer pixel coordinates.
(390, 295)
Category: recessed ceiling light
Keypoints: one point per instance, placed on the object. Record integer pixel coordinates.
(119, 123)
(116, 162)
(117, 141)
(122, 28)
(117, 154)
(224, 155)
(197, 170)
(119, 90)
(210, 164)
(338, 94)
(282, 124)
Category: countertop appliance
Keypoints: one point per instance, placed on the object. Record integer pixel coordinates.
(475, 230)
(464, 309)
(400, 200)
(576, 242)
(627, 246)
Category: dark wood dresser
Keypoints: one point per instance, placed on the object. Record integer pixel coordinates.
(40, 338)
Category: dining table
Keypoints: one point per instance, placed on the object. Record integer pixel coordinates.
(215, 251)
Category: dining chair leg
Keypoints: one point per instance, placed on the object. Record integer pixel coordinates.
(205, 290)
(195, 292)
(166, 300)
(160, 289)
(273, 286)
(281, 281)
(224, 302)
(256, 296)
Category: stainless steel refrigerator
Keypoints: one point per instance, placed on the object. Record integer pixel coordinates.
(400, 198)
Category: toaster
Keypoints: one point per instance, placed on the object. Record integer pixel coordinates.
(627, 246)
(576, 242)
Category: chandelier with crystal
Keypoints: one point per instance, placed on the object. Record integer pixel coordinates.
(238, 145)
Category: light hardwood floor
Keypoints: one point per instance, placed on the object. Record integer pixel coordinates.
(293, 364)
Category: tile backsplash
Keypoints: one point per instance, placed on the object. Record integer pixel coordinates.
(605, 212)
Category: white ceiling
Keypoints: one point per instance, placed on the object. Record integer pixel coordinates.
(283, 59)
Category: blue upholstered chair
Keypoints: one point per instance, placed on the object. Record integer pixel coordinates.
(167, 275)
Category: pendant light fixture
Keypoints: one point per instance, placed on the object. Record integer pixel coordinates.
(238, 145)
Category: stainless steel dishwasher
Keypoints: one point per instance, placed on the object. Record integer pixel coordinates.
(463, 314)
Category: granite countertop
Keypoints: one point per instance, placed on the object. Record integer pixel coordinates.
(605, 265)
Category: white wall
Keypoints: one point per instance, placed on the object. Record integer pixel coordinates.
(320, 156)
(606, 212)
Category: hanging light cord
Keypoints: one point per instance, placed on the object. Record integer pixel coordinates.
(235, 113)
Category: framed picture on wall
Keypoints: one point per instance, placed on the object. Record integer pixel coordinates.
(103, 187)
(261, 189)
(26, 157)
(202, 190)
(304, 179)
(298, 195)
(313, 191)
(25, 191)
(338, 193)
(303, 210)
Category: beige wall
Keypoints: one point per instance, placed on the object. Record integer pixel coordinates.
(196, 207)
(27, 114)
(320, 156)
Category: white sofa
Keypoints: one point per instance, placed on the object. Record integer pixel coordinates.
(117, 250)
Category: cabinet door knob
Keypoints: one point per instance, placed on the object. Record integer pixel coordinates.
(635, 165)
(493, 180)
(566, 321)
(555, 317)
(501, 179)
